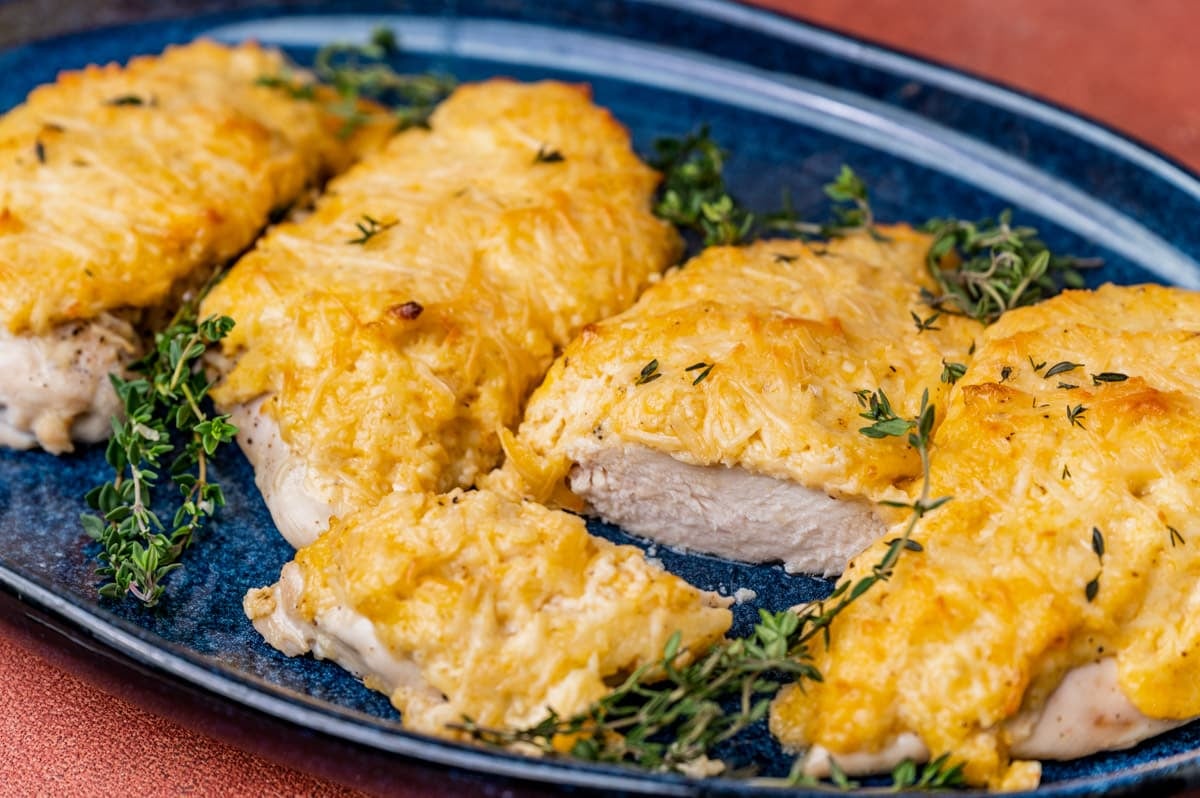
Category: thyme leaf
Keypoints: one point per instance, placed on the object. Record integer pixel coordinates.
(1062, 367)
(705, 370)
(649, 373)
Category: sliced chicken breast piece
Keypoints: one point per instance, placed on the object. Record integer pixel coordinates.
(392, 334)
(1046, 614)
(734, 376)
(121, 187)
(723, 510)
(475, 605)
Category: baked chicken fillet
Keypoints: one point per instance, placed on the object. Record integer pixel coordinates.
(384, 341)
(120, 189)
(473, 605)
(718, 414)
(1048, 615)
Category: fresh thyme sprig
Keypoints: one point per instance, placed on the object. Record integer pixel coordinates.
(985, 268)
(693, 195)
(164, 417)
(852, 206)
(852, 212)
(361, 71)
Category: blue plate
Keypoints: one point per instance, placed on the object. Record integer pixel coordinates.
(793, 103)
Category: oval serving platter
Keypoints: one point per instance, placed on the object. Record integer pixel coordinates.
(792, 103)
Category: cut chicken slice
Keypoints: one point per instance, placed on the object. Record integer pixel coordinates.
(1045, 615)
(739, 372)
(392, 334)
(476, 605)
(120, 188)
(730, 512)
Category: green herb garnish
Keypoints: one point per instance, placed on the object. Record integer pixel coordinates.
(938, 774)
(164, 418)
(704, 368)
(928, 323)
(852, 206)
(1062, 367)
(649, 373)
(368, 227)
(985, 268)
(693, 195)
(952, 372)
(1093, 587)
(357, 72)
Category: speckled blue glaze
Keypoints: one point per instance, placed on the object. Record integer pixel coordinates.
(793, 103)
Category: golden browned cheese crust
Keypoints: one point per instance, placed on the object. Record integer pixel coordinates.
(987, 619)
(117, 183)
(791, 332)
(507, 609)
(392, 360)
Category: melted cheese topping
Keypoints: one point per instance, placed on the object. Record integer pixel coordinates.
(505, 256)
(508, 609)
(118, 182)
(791, 334)
(987, 619)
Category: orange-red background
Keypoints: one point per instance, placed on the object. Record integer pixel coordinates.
(1131, 64)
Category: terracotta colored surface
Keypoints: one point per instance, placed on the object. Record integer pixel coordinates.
(1130, 64)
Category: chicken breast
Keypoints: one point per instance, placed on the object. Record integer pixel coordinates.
(1047, 615)
(718, 414)
(393, 333)
(473, 605)
(120, 188)
(54, 388)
